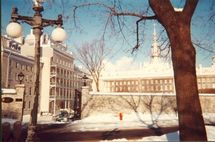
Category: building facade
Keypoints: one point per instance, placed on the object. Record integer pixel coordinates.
(57, 74)
(58, 77)
(13, 63)
(154, 77)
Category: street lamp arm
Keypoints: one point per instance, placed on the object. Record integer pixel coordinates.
(32, 20)
(26, 19)
(47, 22)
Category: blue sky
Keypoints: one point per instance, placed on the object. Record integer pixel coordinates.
(91, 26)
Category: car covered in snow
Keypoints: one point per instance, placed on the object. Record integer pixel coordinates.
(63, 116)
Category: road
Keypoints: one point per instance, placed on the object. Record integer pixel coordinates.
(64, 133)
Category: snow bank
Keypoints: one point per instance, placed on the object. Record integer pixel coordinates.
(169, 137)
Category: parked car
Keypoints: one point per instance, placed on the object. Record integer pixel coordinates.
(62, 116)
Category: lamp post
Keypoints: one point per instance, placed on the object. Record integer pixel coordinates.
(85, 79)
(14, 30)
(21, 77)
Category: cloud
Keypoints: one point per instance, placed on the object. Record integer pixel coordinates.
(178, 9)
(122, 64)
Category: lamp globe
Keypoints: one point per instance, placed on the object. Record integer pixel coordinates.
(14, 30)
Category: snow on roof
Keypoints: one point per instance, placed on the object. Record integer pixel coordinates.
(140, 94)
(8, 91)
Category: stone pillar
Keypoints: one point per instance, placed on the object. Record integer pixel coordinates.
(20, 93)
(86, 98)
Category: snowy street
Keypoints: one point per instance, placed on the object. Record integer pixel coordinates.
(102, 127)
(109, 127)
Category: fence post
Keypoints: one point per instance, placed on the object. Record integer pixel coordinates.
(17, 130)
(6, 132)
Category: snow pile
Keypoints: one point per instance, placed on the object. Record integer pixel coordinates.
(169, 137)
(127, 117)
(112, 121)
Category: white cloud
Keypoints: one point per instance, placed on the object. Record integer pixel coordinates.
(178, 9)
(122, 64)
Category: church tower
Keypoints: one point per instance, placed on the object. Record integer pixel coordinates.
(155, 50)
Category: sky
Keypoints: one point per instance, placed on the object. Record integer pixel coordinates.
(91, 25)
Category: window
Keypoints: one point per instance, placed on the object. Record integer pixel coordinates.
(29, 104)
(26, 78)
(16, 76)
(18, 100)
(171, 87)
(156, 88)
(17, 65)
(29, 90)
(147, 82)
(24, 104)
(23, 67)
(166, 88)
(151, 81)
(10, 62)
(203, 79)
(129, 88)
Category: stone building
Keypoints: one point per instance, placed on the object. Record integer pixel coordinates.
(12, 102)
(58, 78)
(13, 63)
(57, 74)
(155, 76)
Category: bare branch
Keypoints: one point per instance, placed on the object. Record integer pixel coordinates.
(91, 56)
(204, 48)
(189, 7)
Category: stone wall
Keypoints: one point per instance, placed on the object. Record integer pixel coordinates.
(12, 102)
(165, 104)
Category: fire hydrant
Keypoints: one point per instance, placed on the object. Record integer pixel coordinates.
(120, 116)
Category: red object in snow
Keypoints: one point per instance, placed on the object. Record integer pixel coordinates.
(120, 116)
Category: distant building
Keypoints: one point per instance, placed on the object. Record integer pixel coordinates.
(154, 77)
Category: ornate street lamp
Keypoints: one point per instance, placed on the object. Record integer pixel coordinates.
(14, 30)
(21, 77)
(85, 79)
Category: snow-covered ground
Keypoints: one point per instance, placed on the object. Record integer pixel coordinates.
(112, 121)
(169, 137)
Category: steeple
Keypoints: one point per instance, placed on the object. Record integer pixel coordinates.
(155, 50)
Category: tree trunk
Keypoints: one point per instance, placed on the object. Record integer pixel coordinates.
(191, 123)
(97, 85)
(177, 25)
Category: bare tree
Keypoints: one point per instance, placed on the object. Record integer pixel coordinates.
(91, 56)
(177, 25)
(153, 105)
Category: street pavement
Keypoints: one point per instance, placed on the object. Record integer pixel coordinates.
(63, 132)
